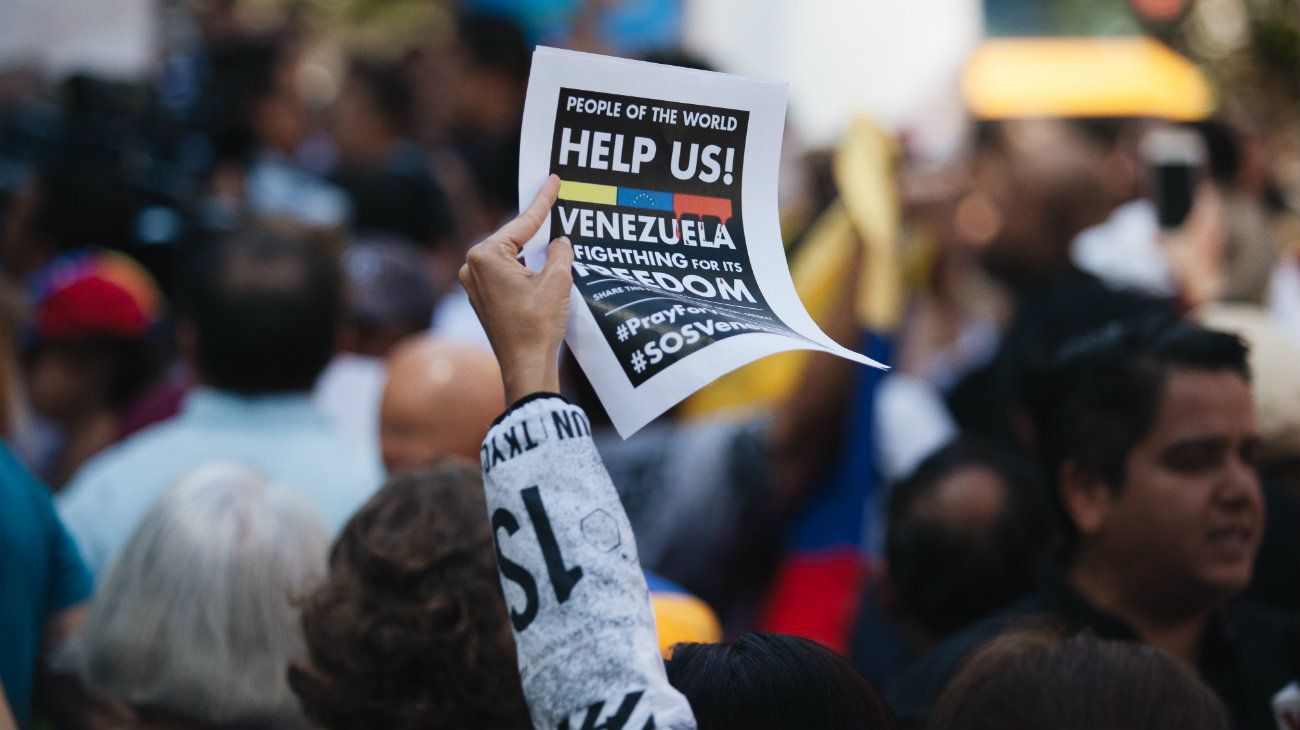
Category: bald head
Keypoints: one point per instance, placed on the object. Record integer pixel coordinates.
(966, 534)
(440, 398)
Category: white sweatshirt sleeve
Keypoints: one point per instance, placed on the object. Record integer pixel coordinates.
(578, 603)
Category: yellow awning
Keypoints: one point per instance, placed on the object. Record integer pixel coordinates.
(1011, 78)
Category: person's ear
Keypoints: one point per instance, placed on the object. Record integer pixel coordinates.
(1086, 497)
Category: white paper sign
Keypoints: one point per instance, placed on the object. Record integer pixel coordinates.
(669, 198)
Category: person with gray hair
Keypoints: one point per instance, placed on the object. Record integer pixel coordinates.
(195, 624)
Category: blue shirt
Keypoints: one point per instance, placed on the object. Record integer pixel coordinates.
(40, 575)
(283, 437)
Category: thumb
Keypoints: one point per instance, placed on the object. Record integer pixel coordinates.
(559, 263)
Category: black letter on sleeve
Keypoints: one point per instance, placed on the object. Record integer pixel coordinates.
(502, 518)
(618, 721)
(562, 579)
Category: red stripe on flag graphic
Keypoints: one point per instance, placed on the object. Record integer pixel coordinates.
(701, 205)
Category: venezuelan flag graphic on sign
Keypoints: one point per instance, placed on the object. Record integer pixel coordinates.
(580, 192)
(647, 199)
(679, 203)
(702, 206)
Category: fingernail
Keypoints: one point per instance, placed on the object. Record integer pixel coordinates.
(565, 239)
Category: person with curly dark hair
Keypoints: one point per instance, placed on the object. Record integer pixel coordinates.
(410, 630)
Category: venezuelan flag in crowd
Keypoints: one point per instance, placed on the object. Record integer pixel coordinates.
(817, 585)
(680, 204)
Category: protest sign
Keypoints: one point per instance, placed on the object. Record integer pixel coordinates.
(669, 197)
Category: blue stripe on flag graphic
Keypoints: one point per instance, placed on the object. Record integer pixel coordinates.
(651, 199)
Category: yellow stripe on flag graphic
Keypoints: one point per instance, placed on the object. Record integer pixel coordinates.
(581, 192)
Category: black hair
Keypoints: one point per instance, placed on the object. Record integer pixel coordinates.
(85, 192)
(495, 42)
(997, 400)
(775, 682)
(1039, 677)
(265, 310)
(243, 76)
(82, 201)
(407, 203)
(390, 90)
(1101, 396)
(951, 573)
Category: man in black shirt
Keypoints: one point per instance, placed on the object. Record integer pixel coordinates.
(1149, 433)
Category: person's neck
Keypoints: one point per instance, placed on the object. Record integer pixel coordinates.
(90, 432)
(1177, 632)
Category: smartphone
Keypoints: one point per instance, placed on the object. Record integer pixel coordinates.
(1175, 158)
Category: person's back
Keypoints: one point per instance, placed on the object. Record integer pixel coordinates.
(260, 317)
(40, 577)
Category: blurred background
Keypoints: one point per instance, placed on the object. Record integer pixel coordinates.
(965, 186)
(388, 130)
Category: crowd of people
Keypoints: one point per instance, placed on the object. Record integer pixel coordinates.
(266, 360)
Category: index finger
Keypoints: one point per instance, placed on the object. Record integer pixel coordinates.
(520, 230)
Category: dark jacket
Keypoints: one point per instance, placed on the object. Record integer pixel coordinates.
(1249, 653)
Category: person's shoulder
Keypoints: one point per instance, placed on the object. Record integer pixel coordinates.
(332, 449)
(24, 497)
(164, 436)
(329, 462)
(105, 500)
(912, 692)
(15, 475)
(136, 457)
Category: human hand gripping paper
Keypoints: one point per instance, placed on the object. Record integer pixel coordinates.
(523, 312)
(669, 199)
